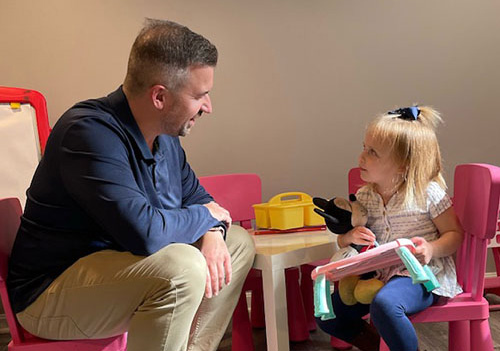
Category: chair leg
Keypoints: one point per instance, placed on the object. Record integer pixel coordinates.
(306, 288)
(492, 285)
(241, 338)
(297, 321)
(496, 257)
(383, 346)
(459, 336)
(257, 315)
(480, 335)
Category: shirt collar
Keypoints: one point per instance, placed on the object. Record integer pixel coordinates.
(119, 104)
(394, 201)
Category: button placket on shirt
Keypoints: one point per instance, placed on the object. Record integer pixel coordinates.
(157, 156)
(160, 174)
(153, 175)
(387, 229)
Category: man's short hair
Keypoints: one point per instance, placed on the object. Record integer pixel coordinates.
(162, 53)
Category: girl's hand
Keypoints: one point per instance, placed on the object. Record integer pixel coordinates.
(360, 236)
(423, 249)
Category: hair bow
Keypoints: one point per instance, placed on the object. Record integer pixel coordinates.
(407, 113)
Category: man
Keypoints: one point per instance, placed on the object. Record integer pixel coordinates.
(117, 234)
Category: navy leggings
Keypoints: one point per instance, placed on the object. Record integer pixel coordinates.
(388, 312)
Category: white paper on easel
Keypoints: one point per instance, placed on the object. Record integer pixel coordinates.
(19, 150)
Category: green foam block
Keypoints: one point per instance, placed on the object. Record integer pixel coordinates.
(323, 307)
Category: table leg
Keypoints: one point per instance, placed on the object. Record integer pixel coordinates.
(275, 310)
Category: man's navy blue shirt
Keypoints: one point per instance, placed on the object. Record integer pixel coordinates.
(99, 186)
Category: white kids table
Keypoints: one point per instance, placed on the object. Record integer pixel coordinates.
(275, 253)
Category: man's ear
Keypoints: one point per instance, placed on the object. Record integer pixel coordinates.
(159, 95)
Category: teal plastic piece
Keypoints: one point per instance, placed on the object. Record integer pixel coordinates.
(432, 283)
(417, 273)
(323, 307)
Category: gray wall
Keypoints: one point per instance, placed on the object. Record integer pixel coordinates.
(297, 80)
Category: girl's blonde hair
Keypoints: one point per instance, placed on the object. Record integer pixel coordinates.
(414, 147)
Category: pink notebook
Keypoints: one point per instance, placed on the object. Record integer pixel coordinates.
(379, 257)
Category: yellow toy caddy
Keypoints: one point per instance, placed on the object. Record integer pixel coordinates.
(287, 211)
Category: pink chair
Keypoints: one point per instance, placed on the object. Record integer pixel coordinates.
(492, 284)
(10, 213)
(237, 193)
(354, 181)
(476, 201)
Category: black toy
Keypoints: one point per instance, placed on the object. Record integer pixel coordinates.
(341, 215)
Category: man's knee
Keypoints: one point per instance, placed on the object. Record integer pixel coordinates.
(180, 262)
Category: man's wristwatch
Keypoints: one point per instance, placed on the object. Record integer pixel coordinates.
(219, 228)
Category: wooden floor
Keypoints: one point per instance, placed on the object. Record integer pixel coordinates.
(432, 336)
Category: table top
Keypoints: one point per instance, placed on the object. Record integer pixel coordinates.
(272, 244)
(278, 251)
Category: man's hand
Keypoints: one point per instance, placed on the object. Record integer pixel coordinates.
(219, 213)
(214, 248)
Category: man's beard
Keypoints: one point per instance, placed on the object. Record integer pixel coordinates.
(185, 129)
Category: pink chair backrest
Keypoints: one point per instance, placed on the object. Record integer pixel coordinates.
(10, 219)
(236, 193)
(476, 202)
(354, 180)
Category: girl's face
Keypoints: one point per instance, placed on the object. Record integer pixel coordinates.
(377, 165)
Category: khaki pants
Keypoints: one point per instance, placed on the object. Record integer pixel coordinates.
(158, 299)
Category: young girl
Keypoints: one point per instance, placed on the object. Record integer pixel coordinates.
(405, 198)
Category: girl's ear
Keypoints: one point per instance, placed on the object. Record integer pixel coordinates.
(403, 168)
(159, 95)
(404, 171)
